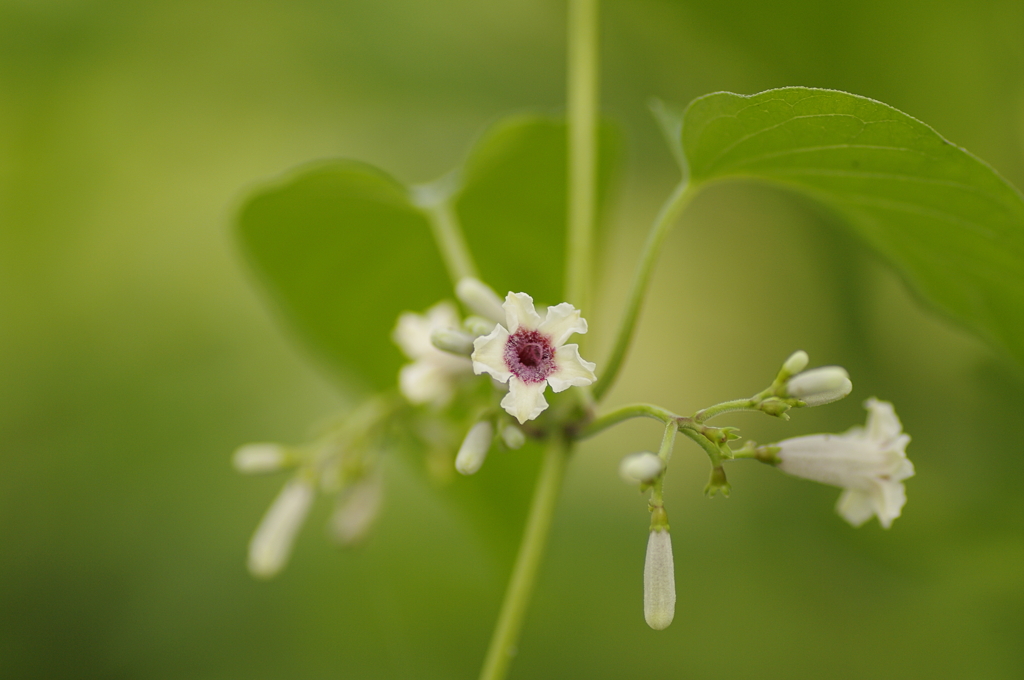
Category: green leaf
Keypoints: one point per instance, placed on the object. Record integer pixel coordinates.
(513, 202)
(342, 251)
(947, 222)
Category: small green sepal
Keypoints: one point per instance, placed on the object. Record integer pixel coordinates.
(717, 483)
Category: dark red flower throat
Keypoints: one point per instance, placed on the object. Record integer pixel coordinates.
(530, 356)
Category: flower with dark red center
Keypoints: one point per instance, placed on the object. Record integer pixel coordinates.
(531, 354)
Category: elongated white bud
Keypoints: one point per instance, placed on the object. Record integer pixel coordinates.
(452, 341)
(271, 545)
(659, 581)
(474, 448)
(480, 299)
(355, 512)
(796, 362)
(256, 459)
(820, 385)
(641, 467)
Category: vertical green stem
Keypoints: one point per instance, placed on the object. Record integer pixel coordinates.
(524, 573)
(450, 241)
(582, 104)
(659, 230)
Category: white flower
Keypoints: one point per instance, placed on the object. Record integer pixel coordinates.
(431, 377)
(869, 463)
(272, 543)
(659, 581)
(531, 354)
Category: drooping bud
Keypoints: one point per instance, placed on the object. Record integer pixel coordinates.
(271, 545)
(643, 467)
(513, 436)
(258, 459)
(452, 340)
(820, 385)
(355, 512)
(480, 299)
(474, 448)
(659, 580)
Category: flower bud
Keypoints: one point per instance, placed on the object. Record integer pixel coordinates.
(474, 448)
(452, 340)
(820, 385)
(641, 467)
(477, 325)
(659, 581)
(271, 545)
(257, 459)
(513, 436)
(355, 512)
(796, 362)
(480, 299)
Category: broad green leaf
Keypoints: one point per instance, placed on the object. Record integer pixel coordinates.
(948, 223)
(342, 249)
(342, 252)
(513, 203)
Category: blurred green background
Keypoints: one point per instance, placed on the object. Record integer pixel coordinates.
(136, 351)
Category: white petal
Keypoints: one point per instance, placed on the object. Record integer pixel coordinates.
(856, 506)
(424, 382)
(474, 448)
(561, 321)
(480, 299)
(572, 370)
(271, 545)
(519, 311)
(883, 425)
(489, 354)
(659, 581)
(524, 401)
(890, 499)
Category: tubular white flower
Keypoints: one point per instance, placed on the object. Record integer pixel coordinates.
(659, 581)
(431, 377)
(256, 459)
(474, 448)
(531, 354)
(480, 299)
(820, 385)
(641, 467)
(355, 512)
(869, 463)
(271, 545)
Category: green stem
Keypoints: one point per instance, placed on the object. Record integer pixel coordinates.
(668, 441)
(582, 104)
(531, 550)
(450, 241)
(616, 416)
(675, 204)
